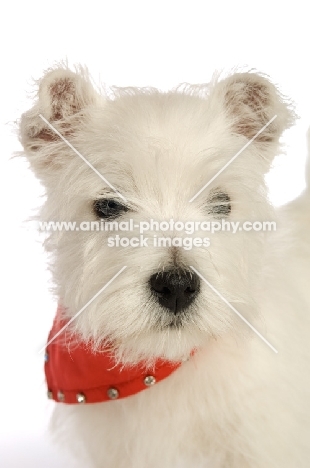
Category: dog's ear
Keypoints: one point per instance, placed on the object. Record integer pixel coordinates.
(251, 102)
(63, 102)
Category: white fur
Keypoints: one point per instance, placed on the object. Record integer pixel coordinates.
(235, 404)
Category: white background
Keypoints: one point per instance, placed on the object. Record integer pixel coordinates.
(135, 43)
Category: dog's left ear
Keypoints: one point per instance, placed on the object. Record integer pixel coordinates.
(251, 102)
(65, 101)
(62, 94)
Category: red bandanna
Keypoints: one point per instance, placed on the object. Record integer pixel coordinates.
(75, 374)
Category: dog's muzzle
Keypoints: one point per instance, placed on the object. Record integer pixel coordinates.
(175, 290)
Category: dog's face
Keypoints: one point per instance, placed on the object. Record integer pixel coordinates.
(157, 150)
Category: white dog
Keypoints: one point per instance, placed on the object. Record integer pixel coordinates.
(189, 357)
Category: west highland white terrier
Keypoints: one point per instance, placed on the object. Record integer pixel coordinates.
(182, 333)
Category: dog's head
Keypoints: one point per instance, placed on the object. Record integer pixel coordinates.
(143, 155)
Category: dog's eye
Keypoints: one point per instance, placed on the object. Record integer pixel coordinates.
(108, 208)
(219, 204)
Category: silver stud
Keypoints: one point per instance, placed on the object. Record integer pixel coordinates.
(80, 398)
(46, 357)
(149, 380)
(49, 394)
(60, 396)
(113, 393)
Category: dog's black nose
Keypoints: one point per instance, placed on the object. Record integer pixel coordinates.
(175, 290)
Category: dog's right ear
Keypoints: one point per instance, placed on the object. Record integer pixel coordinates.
(254, 108)
(64, 101)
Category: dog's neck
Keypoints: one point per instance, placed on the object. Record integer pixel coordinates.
(76, 374)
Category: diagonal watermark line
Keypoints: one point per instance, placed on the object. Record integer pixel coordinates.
(233, 158)
(81, 156)
(236, 311)
(83, 308)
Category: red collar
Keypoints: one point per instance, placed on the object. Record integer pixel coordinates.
(75, 374)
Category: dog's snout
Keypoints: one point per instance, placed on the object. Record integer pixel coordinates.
(175, 290)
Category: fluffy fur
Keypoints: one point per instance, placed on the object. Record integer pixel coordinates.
(235, 404)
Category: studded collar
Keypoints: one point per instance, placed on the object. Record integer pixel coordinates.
(75, 374)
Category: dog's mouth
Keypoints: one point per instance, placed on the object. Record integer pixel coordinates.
(175, 322)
